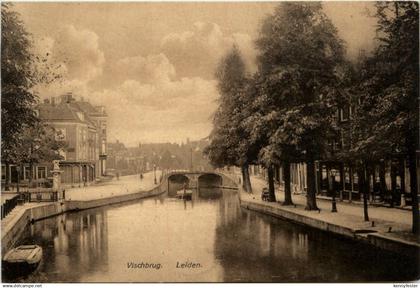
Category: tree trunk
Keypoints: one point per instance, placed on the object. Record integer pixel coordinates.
(7, 180)
(246, 183)
(243, 178)
(363, 189)
(382, 179)
(370, 178)
(393, 183)
(414, 192)
(271, 190)
(287, 184)
(311, 193)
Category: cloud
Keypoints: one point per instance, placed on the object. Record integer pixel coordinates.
(149, 69)
(80, 53)
(75, 55)
(197, 52)
(77, 51)
(148, 101)
(163, 111)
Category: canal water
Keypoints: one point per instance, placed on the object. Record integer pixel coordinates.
(207, 239)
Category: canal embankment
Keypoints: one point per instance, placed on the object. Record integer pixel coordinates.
(125, 189)
(388, 229)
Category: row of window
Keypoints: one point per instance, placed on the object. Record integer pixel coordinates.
(40, 172)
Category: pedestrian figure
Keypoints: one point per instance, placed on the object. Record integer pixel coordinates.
(118, 175)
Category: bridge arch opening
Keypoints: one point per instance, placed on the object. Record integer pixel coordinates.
(210, 186)
(176, 182)
(210, 180)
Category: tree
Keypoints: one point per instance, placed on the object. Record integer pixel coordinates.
(229, 144)
(38, 143)
(166, 162)
(264, 122)
(299, 52)
(390, 91)
(17, 79)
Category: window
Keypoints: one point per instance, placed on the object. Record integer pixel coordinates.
(26, 173)
(338, 144)
(355, 182)
(343, 142)
(103, 147)
(347, 183)
(324, 177)
(42, 172)
(345, 114)
(3, 172)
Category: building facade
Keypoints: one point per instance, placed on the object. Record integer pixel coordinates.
(83, 129)
(389, 180)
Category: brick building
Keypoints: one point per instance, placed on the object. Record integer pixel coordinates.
(83, 128)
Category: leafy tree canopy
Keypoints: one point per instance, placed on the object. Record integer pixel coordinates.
(387, 121)
(17, 79)
(300, 57)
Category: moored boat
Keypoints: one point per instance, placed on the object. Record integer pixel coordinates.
(21, 260)
(184, 194)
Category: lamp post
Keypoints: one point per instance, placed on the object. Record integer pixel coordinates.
(154, 172)
(333, 172)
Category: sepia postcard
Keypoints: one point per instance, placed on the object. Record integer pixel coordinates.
(210, 142)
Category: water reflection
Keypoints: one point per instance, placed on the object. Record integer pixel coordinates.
(230, 244)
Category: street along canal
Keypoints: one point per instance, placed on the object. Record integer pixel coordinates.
(207, 239)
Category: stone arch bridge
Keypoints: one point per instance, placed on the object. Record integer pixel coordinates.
(197, 179)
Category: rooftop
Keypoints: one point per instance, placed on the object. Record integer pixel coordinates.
(65, 108)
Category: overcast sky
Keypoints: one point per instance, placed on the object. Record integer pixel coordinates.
(152, 64)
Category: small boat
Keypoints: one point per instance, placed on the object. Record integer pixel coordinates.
(21, 260)
(184, 194)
